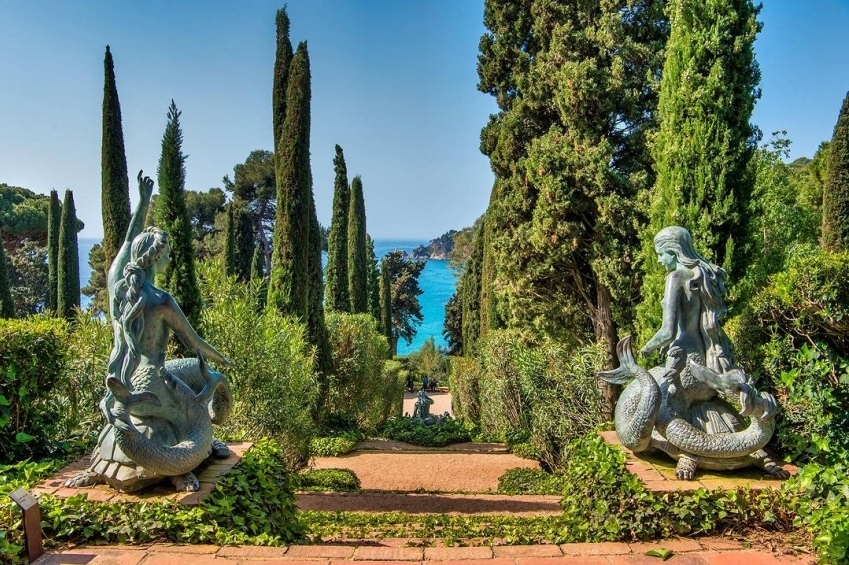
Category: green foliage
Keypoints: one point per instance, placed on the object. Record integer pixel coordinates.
(545, 395)
(360, 389)
(23, 474)
(821, 503)
(317, 335)
(403, 277)
(96, 288)
(288, 286)
(464, 374)
(412, 430)
(386, 308)
(253, 188)
(68, 291)
(115, 183)
(452, 327)
(29, 278)
(54, 218)
(705, 141)
(332, 446)
(31, 361)
(23, 215)
(336, 291)
(329, 480)
(374, 303)
(280, 87)
(243, 244)
(835, 195)
(271, 376)
(429, 361)
(7, 303)
(357, 259)
(523, 480)
(172, 215)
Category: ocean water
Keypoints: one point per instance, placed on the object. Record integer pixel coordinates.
(436, 280)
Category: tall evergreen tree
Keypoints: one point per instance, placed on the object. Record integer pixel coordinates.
(337, 297)
(373, 280)
(7, 303)
(68, 290)
(243, 243)
(115, 184)
(173, 216)
(54, 218)
(573, 82)
(288, 288)
(835, 197)
(230, 242)
(316, 329)
(705, 141)
(357, 259)
(406, 309)
(469, 288)
(386, 306)
(280, 86)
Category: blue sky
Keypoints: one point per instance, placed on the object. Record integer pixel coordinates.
(393, 83)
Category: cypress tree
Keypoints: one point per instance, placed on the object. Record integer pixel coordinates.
(373, 280)
(7, 303)
(316, 328)
(230, 243)
(337, 297)
(54, 218)
(243, 244)
(469, 289)
(288, 287)
(386, 307)
(258, 264)
(357, 261)
(835, 197)
(115, 184)
(282, 61)
(68, 290)
(705, 141)
(173, 216)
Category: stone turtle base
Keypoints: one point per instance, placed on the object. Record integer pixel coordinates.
(208, 474)
(657, 472)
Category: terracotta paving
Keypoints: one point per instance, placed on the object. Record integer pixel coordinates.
(657, 472)
(208, 476)
(700, 551)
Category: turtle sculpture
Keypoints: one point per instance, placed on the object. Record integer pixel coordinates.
(159, 414)
(680, 407)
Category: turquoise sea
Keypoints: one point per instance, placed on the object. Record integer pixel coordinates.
(437, 282)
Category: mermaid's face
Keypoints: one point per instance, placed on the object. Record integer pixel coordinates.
(162, 261)
(666, 258)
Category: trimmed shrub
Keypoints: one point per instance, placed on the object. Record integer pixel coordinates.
(412, 430)
(272, 373)
(329, 480)
(465, 374)
(32, 356)
(523, 480)
(332, 446)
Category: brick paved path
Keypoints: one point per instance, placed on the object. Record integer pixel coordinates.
(703, 551)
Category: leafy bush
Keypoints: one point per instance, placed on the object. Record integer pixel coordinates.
(524, 450)
(32, 355)
(465, 374)
(439, 434)
(360, 389)
(821, 502)
(523, 480)
(272, 373)
(332, 446)
(23, 474)
(429, 361)
(329, 480)
(544, 395)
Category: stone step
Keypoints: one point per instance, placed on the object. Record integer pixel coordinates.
(430, 503)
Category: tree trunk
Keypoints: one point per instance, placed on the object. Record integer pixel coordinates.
(605, 329)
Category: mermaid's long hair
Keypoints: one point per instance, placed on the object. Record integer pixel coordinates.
(710, 281)
(129, 303)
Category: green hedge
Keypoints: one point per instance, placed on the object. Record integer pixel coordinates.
(464, 373)
(32, 353)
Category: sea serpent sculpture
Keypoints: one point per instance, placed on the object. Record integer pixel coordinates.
(680, 407)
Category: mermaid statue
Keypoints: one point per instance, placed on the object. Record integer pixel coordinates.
(159, 414)
(680, 407)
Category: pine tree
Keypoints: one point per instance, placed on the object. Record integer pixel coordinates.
(68, 290)
(173, 216)
(243, 244)
(705, 141)
(835, 198)
(282, 62)
(373, 280)
(386, 307)
(337, 297)
(54, 218)
(7, 303)
(288, 287)
(115, 184)
(357, 260)
(230, 243)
